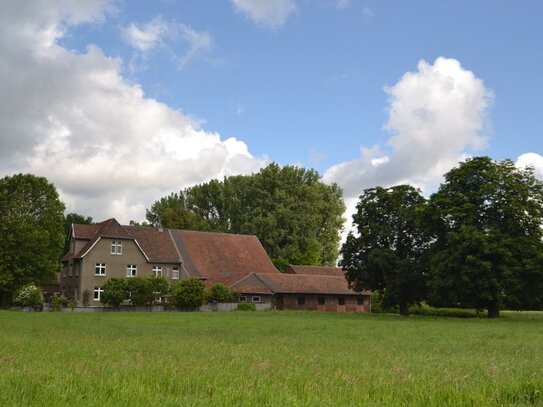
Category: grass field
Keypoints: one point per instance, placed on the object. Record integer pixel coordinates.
(268, 359)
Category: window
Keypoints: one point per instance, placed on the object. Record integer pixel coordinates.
(100, 269)
(175, 273)
(98, 293)
(131, 270)
(321, 300)
(116, 247)
(76, 269)
(157, 270)
(341, 301)
(70, 268)
(359, 300)
(301, 300)
(256, 298)
(242, 298)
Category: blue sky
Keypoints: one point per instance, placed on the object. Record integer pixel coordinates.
(153, 96)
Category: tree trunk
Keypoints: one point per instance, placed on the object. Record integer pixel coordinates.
(493, 311)
(404, 309)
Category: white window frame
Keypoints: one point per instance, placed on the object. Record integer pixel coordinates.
(242, 298)
(99, 291)
(256, 298)
(131, 270)
(116, 247)
(157, 270)
(100, 269)
(175, 273)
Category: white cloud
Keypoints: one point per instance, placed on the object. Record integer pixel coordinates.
(73, 118)
(436, 115)
(534, 160)
(178, 40)
(343, 4)
(147, 37)
(266, 13)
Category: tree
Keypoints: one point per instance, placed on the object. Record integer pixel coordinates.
(487, 219)
(70, 219)
(188, 293)
(221, 293)
(32, 230)
(388, 254)
(114, 292)
(296, 216)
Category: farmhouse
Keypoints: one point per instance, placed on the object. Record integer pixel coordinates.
(108, 249)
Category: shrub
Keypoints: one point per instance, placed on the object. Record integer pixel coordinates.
(221, 293)
(86, 298)
(245, 306)
(146, 290)
(29, 296)
(188, 293)
(59, 302)
(114, 292)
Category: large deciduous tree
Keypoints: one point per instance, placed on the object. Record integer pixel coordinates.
(487, 217)
(388, 252)
(31, 230)
(296, 216)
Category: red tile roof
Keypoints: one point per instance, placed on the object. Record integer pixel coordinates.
(316, 270)
(294, 284)
(221, 257)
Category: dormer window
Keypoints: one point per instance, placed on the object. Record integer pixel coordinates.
(116, 247)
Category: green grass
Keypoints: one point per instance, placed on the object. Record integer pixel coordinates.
(268, 359)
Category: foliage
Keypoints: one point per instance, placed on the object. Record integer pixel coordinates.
(58, 302)
(115, 290)
(29, 296)
(388, 253)
(296, 216)
(221, 293)
(488, 252)
(146, 290)
(69, 220)
(246, 306)
(188, 293)
(32, 230)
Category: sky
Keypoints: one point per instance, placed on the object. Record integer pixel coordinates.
(119, 103)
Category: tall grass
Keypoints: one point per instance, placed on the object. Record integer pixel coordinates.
(268, 359)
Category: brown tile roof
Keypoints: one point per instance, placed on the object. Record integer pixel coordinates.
(156, 244)
(296, 284)
(221, 257)
(315, 270)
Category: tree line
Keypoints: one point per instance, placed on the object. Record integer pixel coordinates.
(475, 243)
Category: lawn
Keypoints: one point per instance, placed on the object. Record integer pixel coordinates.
(268, 358)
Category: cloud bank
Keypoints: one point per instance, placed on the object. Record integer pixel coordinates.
(73, 118)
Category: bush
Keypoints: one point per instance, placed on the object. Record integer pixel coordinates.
(114, 292)
(146, 290)
(59, 302)
(188, 293)
(245, 306)
(29, 296)
(221, 293)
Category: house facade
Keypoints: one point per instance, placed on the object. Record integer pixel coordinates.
(107, 249)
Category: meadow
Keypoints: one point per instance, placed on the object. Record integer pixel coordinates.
(269, 359)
